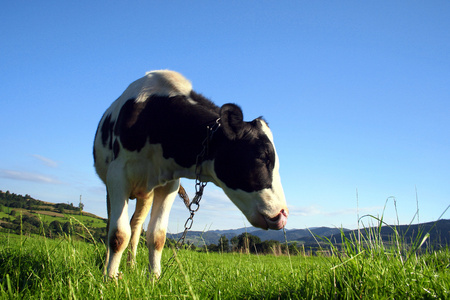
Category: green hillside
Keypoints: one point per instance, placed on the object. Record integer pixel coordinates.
(26, 215)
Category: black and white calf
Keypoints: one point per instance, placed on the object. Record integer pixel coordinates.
(150, 137)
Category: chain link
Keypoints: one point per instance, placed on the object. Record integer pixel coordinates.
(194, 206)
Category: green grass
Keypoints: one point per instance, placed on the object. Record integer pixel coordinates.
(93, 222)
(38, 267)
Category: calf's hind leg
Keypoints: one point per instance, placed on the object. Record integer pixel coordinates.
(143, 205)
(156, 233)
(119, 230)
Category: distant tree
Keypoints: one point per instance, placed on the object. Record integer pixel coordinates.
(248, 242)
(16, 204)
(223, 244)
(292, 248)
(67, 228)
(43, 228)
(28, 224)
(170, 242)
(268, 247)
(212, 248)
(234, 241)
(27, 229)
(189, 245)
(33, 220)
(29, 205)
(55, 227)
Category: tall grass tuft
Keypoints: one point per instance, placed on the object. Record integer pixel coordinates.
(369, 265)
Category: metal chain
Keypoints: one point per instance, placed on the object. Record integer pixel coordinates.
(194, 206)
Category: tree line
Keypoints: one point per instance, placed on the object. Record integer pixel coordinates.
(12, 200)
(245, 243)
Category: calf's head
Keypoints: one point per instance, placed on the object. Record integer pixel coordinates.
(247, 169)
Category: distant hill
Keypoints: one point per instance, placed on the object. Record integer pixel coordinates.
(31, 216)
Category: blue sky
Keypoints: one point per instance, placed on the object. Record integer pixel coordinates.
(357, 95)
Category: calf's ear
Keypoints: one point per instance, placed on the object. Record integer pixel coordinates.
(232, 121)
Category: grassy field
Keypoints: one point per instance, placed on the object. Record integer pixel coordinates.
(38, 267)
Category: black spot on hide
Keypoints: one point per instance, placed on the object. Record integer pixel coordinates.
(175, 123)
(106, 131)
(246, 163)
(116, 149)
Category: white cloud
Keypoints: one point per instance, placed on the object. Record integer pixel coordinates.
(46, 161)
(26, 176)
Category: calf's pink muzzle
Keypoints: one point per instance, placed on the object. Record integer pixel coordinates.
(278, 221)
